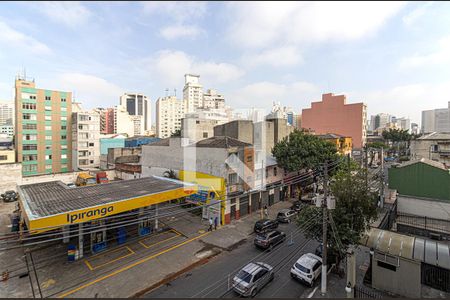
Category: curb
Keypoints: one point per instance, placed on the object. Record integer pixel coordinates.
(173, 276)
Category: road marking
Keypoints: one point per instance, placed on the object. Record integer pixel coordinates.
(152, 245)
(131, 266)
(313, 292)
(88, 264)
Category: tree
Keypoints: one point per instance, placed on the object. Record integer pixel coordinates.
(177, 133)
(377, 145)
(300, 150)
(170, 174)
(355, 209)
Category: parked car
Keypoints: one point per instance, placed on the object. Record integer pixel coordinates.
(265, 225)
(307, 268)
(252, 278)
(389, 158)
(298, 206)
(269, 239)
(286, 215)
(9, 196)
(71, 185)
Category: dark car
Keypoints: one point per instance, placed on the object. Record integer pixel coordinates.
(9, 196)
(265, 225)
(286, 215)
(269, 239)
(298, 206)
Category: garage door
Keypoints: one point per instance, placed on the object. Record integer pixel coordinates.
(243, 206)
(255, 202)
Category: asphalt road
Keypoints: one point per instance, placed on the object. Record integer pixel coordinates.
(211, 279)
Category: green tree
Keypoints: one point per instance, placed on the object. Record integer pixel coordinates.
(170, 174)
(377, 145)
(355, 210)
(301, 150)
(177, 133)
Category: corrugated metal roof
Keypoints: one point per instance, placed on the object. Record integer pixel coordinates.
(409, 247)
(427, 161)
(436, 136)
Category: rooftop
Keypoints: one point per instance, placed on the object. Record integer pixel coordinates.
(330, 136)
(220, 142)
(427, 161)
(436, 136)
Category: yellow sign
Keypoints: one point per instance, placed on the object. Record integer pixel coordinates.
(100, 211)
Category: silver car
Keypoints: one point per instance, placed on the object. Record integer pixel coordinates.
(252, 278)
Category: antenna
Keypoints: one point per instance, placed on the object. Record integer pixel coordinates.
(167, 92)
(175, 92)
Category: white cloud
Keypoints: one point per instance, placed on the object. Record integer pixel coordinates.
(276, 57)
(438, 57)
(14, 38)
(262, 94)
(170, 66)
(70, 13)
(91, 90)
(180, 31)
(262, 24)
(418, 12)
(406, 100)
(180, 11)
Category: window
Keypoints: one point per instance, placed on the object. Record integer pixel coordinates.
(63, 127)
(47, 127)
(386, 266)
(29, 147)
(48, 108)
(63, 156)
(48, 137)
(48, 167)
(63, 108)
(64, 166)
(275, 171)
(63, 99)
(91, 161)
(33, 97)
(63, 137)
(232, 178)
(48, 98)
(30, 157)
(29, 137)
(91, 144)
(63, 147)
(28, 105)
(63, 118)
(29, 117)
(249, 159)
(29, 168)
(3, 157)
(48, 147)
(205, 134)
(48, 118)
(29, 126)
(48, 157)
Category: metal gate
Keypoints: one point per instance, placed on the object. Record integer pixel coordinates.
(436, 277)
(255, 202)
(243, 206)
(361, 292)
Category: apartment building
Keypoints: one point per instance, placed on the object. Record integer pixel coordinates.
(6, 113)
(106, 120)
(334, 115)
(192, 93)
(212, 99)
(436, 120)
(138, 105)
(169, 112)
(43, 129)
(7, 130)
(124, 123)
(85, 140)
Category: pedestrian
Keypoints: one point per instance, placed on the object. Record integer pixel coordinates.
(266, 211)
(216, 220)
(210, 224)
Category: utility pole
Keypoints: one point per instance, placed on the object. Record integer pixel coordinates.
(348, 162)
(324, 231)
(366, 162)
(382, 179)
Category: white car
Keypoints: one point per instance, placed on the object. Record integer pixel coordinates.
(252, 278)
(307, 268)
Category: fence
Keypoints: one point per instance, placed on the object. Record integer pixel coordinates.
(431, 224)
(361, 292)
(436, 277)
(390, 216)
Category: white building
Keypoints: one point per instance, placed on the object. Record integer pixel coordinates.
(403, 123)
(126, 124)
(7, 130)
(6, 113)
(85, 140)
(195, 129)
(169, 112)
(211, 99)
(436, 120)
(192, 93)
(138, 105)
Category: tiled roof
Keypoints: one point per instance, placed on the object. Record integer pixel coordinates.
(220, 142)
(436, 136)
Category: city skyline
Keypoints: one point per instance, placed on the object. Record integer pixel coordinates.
(395, 59)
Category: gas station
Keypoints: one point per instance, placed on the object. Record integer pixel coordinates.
(103, 214)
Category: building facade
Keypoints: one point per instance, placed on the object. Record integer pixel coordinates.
(7, 130)
(43, 129)
(124, 123)
(434, 146)
(192, 93)
(138, 105)
(343, 144)
(212, 99)
(436, 120)
(196, 129)
(85, 140)
(169, 112)
(106, 120)
(333, 114)
(6, 113)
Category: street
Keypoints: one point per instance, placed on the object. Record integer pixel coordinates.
(211, 279)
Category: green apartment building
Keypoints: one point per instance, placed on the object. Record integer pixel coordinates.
(43, 131)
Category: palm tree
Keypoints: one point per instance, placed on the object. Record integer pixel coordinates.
(170, 174)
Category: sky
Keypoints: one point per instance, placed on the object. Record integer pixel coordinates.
(393, 56)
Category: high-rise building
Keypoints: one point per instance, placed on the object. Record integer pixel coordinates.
(106, 120)
(334, 115)
(414, 128)
(211, 99)
(192, 93)
(6, 113)
(436, 120)
(85, 140)
(124, 123)
(169, 112)
(138, 105)
(380, 121)
(403, 123)
(43, 131)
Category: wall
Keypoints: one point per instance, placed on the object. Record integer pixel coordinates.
(105, 144)
(421, 149)
(405, 281)
(195, 128)
(332, 115)
(10, 156)
(424, 207)
(420, 180)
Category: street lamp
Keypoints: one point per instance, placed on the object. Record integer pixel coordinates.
(348, 290)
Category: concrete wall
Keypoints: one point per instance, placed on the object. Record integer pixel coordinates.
(423, 207)
(7, 156)
(195, 128)
(405, 281)
(421, 149)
